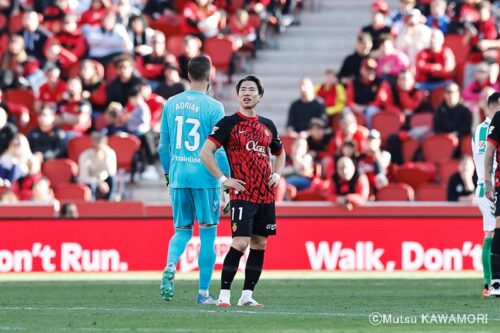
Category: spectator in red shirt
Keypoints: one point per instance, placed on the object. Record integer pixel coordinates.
(404, 97)
(23, 187)
(71, 38)
(240, 28)
(348, 187)
(349, 131)
(55, 55)
(155, 103)
(94, 15)
(200, 18)
(75, 111)
(53, 90)
(435, 65)
(91, 75)
(374, 162)
(477, 36)
(151, 64)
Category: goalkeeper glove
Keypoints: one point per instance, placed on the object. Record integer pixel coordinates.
(167, 180)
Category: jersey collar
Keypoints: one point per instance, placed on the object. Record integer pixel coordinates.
(241, 115)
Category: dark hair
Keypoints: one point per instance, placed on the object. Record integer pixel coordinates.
(254, 79)
(136, 90)
(199, 68)
(121, 58)
(493, 98)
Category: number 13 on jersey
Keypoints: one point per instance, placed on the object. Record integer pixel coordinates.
(191, 145)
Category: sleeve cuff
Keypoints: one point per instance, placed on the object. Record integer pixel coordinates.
(217, 143)
(493, 141)
(279, 151)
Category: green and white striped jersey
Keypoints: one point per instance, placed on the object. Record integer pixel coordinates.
(479, 143)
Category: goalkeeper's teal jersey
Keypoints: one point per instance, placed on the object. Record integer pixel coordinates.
(187, 119)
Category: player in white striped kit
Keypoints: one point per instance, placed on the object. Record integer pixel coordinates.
(487, 208)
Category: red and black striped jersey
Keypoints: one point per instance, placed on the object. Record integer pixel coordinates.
(248, 143)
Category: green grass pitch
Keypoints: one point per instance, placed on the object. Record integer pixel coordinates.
(292, 306)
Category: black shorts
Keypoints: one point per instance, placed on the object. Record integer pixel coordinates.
(249, 218)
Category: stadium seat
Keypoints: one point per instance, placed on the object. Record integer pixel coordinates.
(220, 51)
(396, 192)
(437, 97)
(446, 169)
(125, 146)
(25, 98)
(422, 119)
(15, 23)
(175, 45)
(387, 123)
(466, 145)
(77, 145)
(409, 147)
(60, 171)
(169, 28)
(439, 148)
(430, 192)
(68, 191)
(125, 209)
(287, 142)
(461, 51)
(309, 195)
(415, 174)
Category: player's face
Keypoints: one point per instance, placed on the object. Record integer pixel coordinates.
(249, 95)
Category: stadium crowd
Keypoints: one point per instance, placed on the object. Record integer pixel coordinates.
(83, 83)
(395, 121)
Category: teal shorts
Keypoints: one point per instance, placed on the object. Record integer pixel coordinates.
(190, 204)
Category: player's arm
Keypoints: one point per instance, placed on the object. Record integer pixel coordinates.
(164, 145)
(207, 155)
(488, 168)
(277, 150)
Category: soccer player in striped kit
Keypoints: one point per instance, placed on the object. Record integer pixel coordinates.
(479, 144)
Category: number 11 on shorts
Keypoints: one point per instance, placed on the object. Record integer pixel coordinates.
(240, 215)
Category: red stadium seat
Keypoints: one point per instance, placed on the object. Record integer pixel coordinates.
(437, 97)
(409, 147)
(15, 23)
(175, 45)
(430, 192)
(308, 195)
(439, 148)
(169, 28)
(446, 169)
(60, 171)
(220, 51)
(422, 119)
(387, 123)
(67, 192)
(125, 209)
(25, 98)
(415, 174)
(125, 146)
(78, 145)
(466, 145)
(396, 192)
(287, 142)
(254, 21)
(456, 43)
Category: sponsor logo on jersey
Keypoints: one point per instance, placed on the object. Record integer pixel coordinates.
(271, 227)
(235, 227)
(254, 146)
(214, 130)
